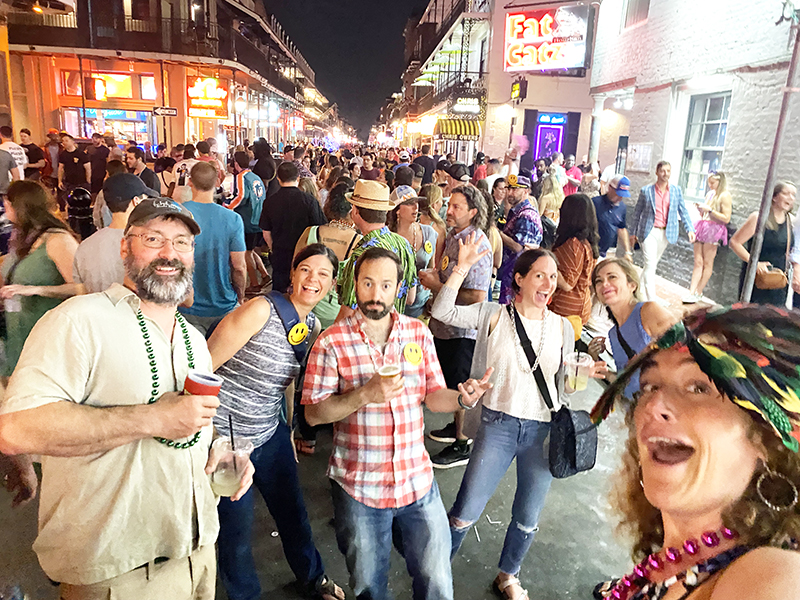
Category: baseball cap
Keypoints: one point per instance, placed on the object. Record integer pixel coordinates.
(518, 181)
(52, 131)
(152, 208)
(401, 194)
(404, 155)
(459, 172)
(124, 187)
(288, 149)
(622, 185)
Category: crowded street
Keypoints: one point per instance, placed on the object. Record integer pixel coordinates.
(430, 300)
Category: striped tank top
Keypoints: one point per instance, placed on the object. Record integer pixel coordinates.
(254, 381)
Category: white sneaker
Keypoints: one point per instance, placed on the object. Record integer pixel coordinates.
(691, 299)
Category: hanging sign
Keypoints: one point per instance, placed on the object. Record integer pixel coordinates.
(208, 97)
(544, 40)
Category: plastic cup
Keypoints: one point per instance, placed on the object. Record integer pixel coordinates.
(578, 366)
(389, 370)
(227, 477)
(202, 384)
(13, 304)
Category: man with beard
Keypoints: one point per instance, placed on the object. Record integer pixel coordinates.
(523, 228)
(390, 487)
(124, 453)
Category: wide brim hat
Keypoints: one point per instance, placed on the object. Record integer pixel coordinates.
(370, 194)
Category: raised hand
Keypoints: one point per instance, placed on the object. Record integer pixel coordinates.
(469, 251)
(472, 390)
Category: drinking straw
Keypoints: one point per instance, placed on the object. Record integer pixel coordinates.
(233, 444)
(577, 362)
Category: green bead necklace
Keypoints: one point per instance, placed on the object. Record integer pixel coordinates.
(148, 346)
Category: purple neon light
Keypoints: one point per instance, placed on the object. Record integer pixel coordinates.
(540, 128)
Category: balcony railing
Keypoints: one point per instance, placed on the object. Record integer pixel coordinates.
(31, 19)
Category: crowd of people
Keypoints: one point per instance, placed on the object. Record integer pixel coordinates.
(355, 288)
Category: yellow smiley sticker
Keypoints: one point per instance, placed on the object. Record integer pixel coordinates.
(413, 353)
(512, 179)
(298, 334)
(428, 247)
(445, 262)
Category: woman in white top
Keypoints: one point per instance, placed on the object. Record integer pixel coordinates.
(514, 419)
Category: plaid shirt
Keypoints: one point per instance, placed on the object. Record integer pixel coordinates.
(378, 457)
(525, 227)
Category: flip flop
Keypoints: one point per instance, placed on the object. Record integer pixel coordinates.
(305, 446)
(500, 589)
(327, 588)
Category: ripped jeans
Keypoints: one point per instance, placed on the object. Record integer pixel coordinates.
(500, 439)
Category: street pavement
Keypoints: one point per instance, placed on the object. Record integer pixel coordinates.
(574, 549)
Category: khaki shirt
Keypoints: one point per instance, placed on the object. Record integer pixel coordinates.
(107, 513)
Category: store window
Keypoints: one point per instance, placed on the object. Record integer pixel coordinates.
(635, 12)
(484, 57)
(705, 141)
(148, 87)
(117, 85)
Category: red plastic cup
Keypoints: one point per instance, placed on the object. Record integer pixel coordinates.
(202, 384)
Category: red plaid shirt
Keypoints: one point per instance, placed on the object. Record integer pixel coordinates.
(378, 457)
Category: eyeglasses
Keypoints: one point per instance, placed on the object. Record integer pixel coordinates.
(182, 243)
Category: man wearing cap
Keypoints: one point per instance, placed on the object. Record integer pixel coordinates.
(403, 177)
(126, 507)
(405, 159)
(523, 228)
(477, 170)
(655, 223)
(371, 205)
(285, 216)
(98, 264)
(454, 345)
(611, 216)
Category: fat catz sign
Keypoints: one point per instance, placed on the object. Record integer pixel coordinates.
(545, 40)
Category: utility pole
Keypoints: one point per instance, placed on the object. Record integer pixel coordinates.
(766, 198)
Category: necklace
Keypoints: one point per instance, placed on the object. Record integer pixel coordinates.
(344, 225)
(151, 357)
(638, 584)
(523, 361)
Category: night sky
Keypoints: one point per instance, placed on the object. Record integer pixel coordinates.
(354, 46)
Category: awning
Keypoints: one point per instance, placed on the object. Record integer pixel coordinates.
(457, 129)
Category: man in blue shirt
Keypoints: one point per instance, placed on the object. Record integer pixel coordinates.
(219, 254)
(611, 216)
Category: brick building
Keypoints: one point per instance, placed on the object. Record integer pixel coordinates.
(699, 84)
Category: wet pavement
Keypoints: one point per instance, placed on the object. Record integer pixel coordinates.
(574, 549)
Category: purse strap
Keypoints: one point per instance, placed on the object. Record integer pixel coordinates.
(788, 238)
(531, 355)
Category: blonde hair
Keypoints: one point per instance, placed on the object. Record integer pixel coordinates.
(309, 186)
(630, 274)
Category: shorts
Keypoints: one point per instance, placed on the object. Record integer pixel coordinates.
(711, 232)
(253, 240)
(455, 358)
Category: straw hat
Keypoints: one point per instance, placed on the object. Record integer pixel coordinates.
(370, 194)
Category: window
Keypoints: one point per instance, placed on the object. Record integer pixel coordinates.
(148, 87)
(635, 12)
(705, 142)
(117, 85)
(484, 57)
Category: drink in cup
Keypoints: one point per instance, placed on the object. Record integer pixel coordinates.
(578, 366)
(227, 477)
(389, 370)
(202, 384)
(13, 304)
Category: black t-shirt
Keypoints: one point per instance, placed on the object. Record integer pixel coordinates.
(74, 172)
(151, 180)
(98, 158)
(286, 214)
(35, 154)
(430, 166)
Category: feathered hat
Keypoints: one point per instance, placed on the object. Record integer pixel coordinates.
(750, 352)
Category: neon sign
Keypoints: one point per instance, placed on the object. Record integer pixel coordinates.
(545, 40)
(208, 97)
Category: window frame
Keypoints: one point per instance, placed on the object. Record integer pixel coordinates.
(635, 9)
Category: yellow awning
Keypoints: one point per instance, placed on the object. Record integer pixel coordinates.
(457, 129)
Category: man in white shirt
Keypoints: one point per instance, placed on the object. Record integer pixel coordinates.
(182, 191)
(15, 150)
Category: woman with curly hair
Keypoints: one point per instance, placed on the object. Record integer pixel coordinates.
(708, 485)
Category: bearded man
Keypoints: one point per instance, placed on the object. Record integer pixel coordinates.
(126, 507)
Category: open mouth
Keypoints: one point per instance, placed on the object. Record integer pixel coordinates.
(667, 451)
(542, 296)
(166, 270)
(310, 289)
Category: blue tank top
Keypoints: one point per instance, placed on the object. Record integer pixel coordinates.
(636, 337)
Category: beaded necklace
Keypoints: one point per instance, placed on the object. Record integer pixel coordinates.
(151, 357)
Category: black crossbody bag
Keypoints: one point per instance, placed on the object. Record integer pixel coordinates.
(573, 436)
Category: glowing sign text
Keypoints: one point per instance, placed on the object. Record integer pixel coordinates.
(208, 97)
(544, 40)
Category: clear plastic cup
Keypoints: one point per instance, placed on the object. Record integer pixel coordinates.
(578, 366)
(227, 477)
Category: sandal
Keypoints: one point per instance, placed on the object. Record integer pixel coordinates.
(305, 446)
(328, 590)
(501, 589)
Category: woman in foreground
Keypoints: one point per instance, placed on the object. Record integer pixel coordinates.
(708, 484)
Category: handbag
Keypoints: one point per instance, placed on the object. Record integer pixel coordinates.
(776, 279)
(573, 436)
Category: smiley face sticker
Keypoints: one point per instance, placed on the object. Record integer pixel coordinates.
(298, 334)
(412, 353)
(445, 262)
(428, 247)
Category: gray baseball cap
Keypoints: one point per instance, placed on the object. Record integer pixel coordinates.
(151, 208)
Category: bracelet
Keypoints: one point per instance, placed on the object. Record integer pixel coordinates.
(460, 271)
(461, 402)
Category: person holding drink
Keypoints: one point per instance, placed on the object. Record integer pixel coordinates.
(515, 419)
(253, 350)
(124, 452)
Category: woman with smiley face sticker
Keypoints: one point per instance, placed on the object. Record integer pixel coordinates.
(514, 419)
(253, 354)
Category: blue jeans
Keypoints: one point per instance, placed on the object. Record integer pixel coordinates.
(277, 482)
(365, 537)
(500, 439)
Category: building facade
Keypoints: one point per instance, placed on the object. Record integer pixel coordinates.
(698, 84)
(160, 70)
